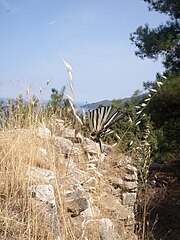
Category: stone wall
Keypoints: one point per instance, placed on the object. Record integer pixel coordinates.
(95, 193)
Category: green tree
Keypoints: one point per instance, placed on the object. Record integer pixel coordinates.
(117, 103)
(162, 41)
(57, 99)
(164, 111)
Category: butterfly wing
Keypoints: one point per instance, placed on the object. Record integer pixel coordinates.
(114, 115)
(96, 118)
(101, 118)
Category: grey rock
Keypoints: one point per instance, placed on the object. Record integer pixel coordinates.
(130, 177)
(91, 147)
(130, 186)
(44, 193)
(116, 182)
(76, 206)
(65, 144)
(43, 152)
(36, 173)
(91, 212)
(129, 198)
(113, 205)
(123, 161)
(77, 192)
(69, 133)
(44, 133)
(107, 230)
(75, 175)
(79, 137)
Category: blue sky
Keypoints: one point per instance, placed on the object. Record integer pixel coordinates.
(93, 36)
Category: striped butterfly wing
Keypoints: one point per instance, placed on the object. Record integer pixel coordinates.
(101, 118)
(113, 116)
(97, 117)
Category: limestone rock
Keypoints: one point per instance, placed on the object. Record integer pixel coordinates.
(69, 133)
(44, 133)
(42, 174)
(130, 177)
(112, 205)
(79, 137)
(65, 144)
(76, 206)
(91, 212)
(75, 175)
(106, 229)
(123, 161)
(44, 193)
(129, 198)
(43, 152)
(116, 182)
(75, 193)
(91, 147)
(130, 186)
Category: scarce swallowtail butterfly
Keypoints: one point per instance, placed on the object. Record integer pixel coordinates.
(101, 119)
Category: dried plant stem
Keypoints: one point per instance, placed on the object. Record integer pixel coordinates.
(144, 215)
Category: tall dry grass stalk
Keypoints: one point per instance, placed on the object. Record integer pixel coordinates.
(71, 90)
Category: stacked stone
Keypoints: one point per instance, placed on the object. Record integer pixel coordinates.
(78, 200)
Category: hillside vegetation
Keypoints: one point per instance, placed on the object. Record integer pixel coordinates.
(56, 184)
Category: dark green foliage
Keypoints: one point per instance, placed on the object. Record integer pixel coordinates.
(164, 110)
(170, 7)
(162, 116)
(127, 134)
(161, 41)
(164, 107)
(166, 103)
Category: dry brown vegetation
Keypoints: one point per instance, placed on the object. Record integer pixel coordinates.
(19, 220)
(22, 218)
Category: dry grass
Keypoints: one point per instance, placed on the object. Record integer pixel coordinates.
(21, 216)
(18, 150)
